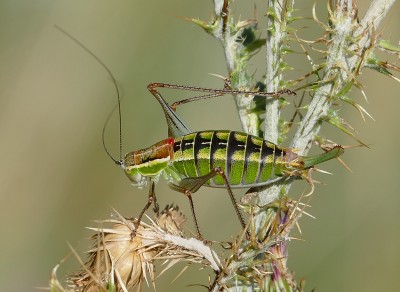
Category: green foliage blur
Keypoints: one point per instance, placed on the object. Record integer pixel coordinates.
(56, 178)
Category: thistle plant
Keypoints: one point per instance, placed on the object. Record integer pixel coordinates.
(348, 45)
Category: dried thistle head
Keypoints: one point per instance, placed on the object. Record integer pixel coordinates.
(171, 220)
(122, 258)
(119, 259)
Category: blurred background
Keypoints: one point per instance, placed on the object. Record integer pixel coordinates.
(55, 177)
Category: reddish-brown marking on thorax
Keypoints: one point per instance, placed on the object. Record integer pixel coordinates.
(162, 149)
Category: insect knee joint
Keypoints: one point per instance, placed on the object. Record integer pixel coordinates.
(219, 170)
(188, 193)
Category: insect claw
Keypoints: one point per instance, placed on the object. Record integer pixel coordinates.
(134, 231)
(133, 234)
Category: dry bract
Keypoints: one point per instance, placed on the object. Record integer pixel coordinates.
(122, 259)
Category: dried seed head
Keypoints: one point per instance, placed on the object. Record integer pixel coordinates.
(171, 220)
(122, 258)
(119, 259)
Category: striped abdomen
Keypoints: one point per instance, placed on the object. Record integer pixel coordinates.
(245, 159)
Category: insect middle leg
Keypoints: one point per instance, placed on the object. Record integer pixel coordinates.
(190, 185)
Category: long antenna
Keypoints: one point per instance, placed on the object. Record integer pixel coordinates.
(118, 106)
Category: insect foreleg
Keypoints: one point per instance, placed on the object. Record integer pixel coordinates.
(150, 200)
(156, 208)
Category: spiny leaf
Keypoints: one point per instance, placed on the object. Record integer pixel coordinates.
(387, 45)
(335, 120)
(360, 109)
(376, 65)
(208, 28)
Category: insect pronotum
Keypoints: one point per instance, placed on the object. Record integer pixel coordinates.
(213, 158)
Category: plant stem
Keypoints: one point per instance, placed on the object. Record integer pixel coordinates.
(343, 60)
